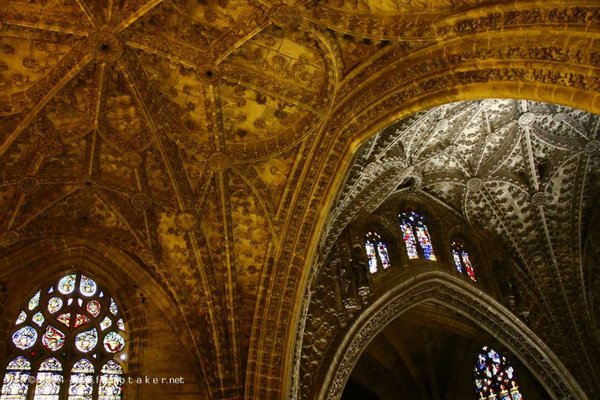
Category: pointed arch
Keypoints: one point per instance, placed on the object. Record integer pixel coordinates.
(70, 317)
(452, 292)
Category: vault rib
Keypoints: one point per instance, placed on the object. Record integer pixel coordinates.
(75, 61)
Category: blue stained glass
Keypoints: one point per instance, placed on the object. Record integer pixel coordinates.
(87, 286)
(425, 242)
(462, 259)
(22, 318)
(35, 301)
(25, 337)
(409, 241)
(81, 387)
(113, 307)
(457, 261)
(67, 284)
(416, 235)
(370, 249)
(86, 341)
(82, 382)
(383, 255)
(377, 253)
(48, 380)
(111, 381)
(493, 376)
(83, 366)
(16, 380)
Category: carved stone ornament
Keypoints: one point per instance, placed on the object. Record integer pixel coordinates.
(593, 146)
(208, 73)
(8, 238)
(474, 184)
(186, 221)
(219, 162)
(148, 257)
(106, 46)
(285, 17)
(526, 119)
(28, 185)
(141, 201)
(132, 159)
(538, 199)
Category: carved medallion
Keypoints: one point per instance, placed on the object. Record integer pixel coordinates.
(105, 46)
(28, 185)
(141, 201)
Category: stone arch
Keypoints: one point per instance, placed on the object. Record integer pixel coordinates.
(39, 263)
(468, 301)
(541, 52)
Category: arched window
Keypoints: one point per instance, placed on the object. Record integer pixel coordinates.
(495, 377)
(462, 261)
(377, 252)
(416, 236)
(71, 338)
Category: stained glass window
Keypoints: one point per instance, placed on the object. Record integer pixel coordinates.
(81, 384)
(16, 379)
(462, 260)
(111, 381)
(48, 381)
(72, 318)
(416, 236)
(494, 377)
(377, 252)
(22, 317)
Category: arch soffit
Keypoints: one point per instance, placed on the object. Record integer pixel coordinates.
(471, 303)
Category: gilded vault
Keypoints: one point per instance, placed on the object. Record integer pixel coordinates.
(207, 139)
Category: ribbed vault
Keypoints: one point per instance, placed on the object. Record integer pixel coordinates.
(205, 139)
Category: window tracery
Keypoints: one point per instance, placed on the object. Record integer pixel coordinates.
(416, 236)
(74, 326)
(462, 259)
(377, 252)
(494, 377)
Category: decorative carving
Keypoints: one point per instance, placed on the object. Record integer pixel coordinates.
(538, 199)
(28, 185)
(285, 17)
(219, 162)
(523, 342)
(141, 201)
(9, 238)
(474, 184)
(208, 73)
(106, 46)
(186, 221)
(592, 147)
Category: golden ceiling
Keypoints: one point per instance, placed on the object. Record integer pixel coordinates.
(207, 138)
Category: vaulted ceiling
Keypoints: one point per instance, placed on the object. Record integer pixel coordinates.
(528, 173)
(202, 136)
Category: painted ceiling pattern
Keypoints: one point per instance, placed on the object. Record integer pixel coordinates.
(179, 131)
(527, 172)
